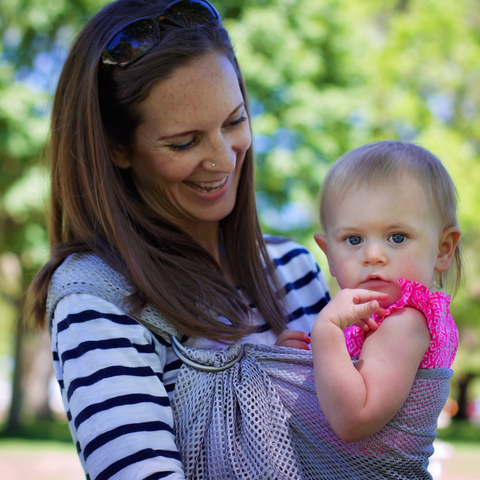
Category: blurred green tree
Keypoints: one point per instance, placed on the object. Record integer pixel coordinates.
(323, 77)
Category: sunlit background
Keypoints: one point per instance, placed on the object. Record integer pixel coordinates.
(323, 76)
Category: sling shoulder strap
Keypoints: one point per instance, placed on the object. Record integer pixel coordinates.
(89, 274)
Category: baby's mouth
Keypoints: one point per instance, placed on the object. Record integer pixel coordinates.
(374, 281)
(207, 187)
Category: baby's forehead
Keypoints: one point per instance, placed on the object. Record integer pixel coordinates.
(360, 194)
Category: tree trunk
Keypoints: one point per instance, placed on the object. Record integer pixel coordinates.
(14, 423)
(463, 384)
(37, 375)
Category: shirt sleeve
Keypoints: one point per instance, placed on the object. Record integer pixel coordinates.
(111, 374)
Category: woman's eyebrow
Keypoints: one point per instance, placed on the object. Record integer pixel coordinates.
(181, 134)
(242, 104)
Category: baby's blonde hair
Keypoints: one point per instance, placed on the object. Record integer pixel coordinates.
(384, 162)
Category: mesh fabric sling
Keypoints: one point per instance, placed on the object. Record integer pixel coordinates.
(259, 418)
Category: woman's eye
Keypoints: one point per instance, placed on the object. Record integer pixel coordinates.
(182, 147)
(397, 238)
(238, 121)
(353, 240)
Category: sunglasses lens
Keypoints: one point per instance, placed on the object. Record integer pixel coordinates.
(133, 41)
(191, 13)
(139, 37)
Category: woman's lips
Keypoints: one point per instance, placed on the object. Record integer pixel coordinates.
(207, 187)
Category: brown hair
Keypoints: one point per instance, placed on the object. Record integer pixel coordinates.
(384, 161)
(95, 206)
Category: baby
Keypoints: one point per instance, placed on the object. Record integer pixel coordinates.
(382, 348)
(388, 210)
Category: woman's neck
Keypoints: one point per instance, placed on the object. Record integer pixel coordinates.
(211, 240)
(206, 235)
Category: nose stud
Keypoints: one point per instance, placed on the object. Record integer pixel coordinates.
(213, 165)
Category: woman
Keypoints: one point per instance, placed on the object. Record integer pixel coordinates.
(154, 232)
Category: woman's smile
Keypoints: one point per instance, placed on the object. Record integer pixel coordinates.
(207, 187)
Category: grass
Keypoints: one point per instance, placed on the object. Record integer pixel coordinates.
(34, 447)
(44, 430)
(461, 432)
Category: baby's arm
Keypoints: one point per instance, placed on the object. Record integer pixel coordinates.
(357, 402)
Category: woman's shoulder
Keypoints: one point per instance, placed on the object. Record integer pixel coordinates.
(86, 273)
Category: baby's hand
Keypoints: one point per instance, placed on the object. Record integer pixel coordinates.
(353, 307)
(368, 324)
(294, 339)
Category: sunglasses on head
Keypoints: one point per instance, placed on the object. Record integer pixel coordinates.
(137, 38)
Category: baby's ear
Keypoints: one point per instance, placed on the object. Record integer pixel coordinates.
(121, 159)
(321, 240)
(446, 248)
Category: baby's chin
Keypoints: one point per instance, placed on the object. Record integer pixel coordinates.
(394, 296)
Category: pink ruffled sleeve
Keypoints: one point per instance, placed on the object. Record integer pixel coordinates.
(435, 307)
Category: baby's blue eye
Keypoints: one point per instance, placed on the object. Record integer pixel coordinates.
(354, 240)
(397, 237)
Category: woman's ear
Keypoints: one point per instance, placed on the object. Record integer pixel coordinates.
(446, 248)
(121, 159)
(321, 240)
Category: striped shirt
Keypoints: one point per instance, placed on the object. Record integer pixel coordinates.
(116, 378)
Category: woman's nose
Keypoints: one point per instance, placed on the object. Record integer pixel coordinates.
(374, 255)
(221, 157)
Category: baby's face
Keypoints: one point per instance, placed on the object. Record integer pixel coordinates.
(375, 236)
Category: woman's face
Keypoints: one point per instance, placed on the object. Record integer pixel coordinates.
(190, 145)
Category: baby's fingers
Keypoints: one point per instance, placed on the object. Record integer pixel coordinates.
(364, 296)
(367, 324)
(364, 311)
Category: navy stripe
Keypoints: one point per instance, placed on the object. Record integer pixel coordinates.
(170, 387)
(88, 315)
(135, 458)
(109, 372)
(157, 476)
(161, 340)
(263, 328)
(122, 430)
(312, 309)
(175, 365)
(131, 399)
(301, 282)
(55, 356)
(109, 344)
(289, 255)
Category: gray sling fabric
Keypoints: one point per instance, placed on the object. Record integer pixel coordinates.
(260, 418)
(87, 273)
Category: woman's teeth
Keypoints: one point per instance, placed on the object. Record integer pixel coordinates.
(208, 187)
